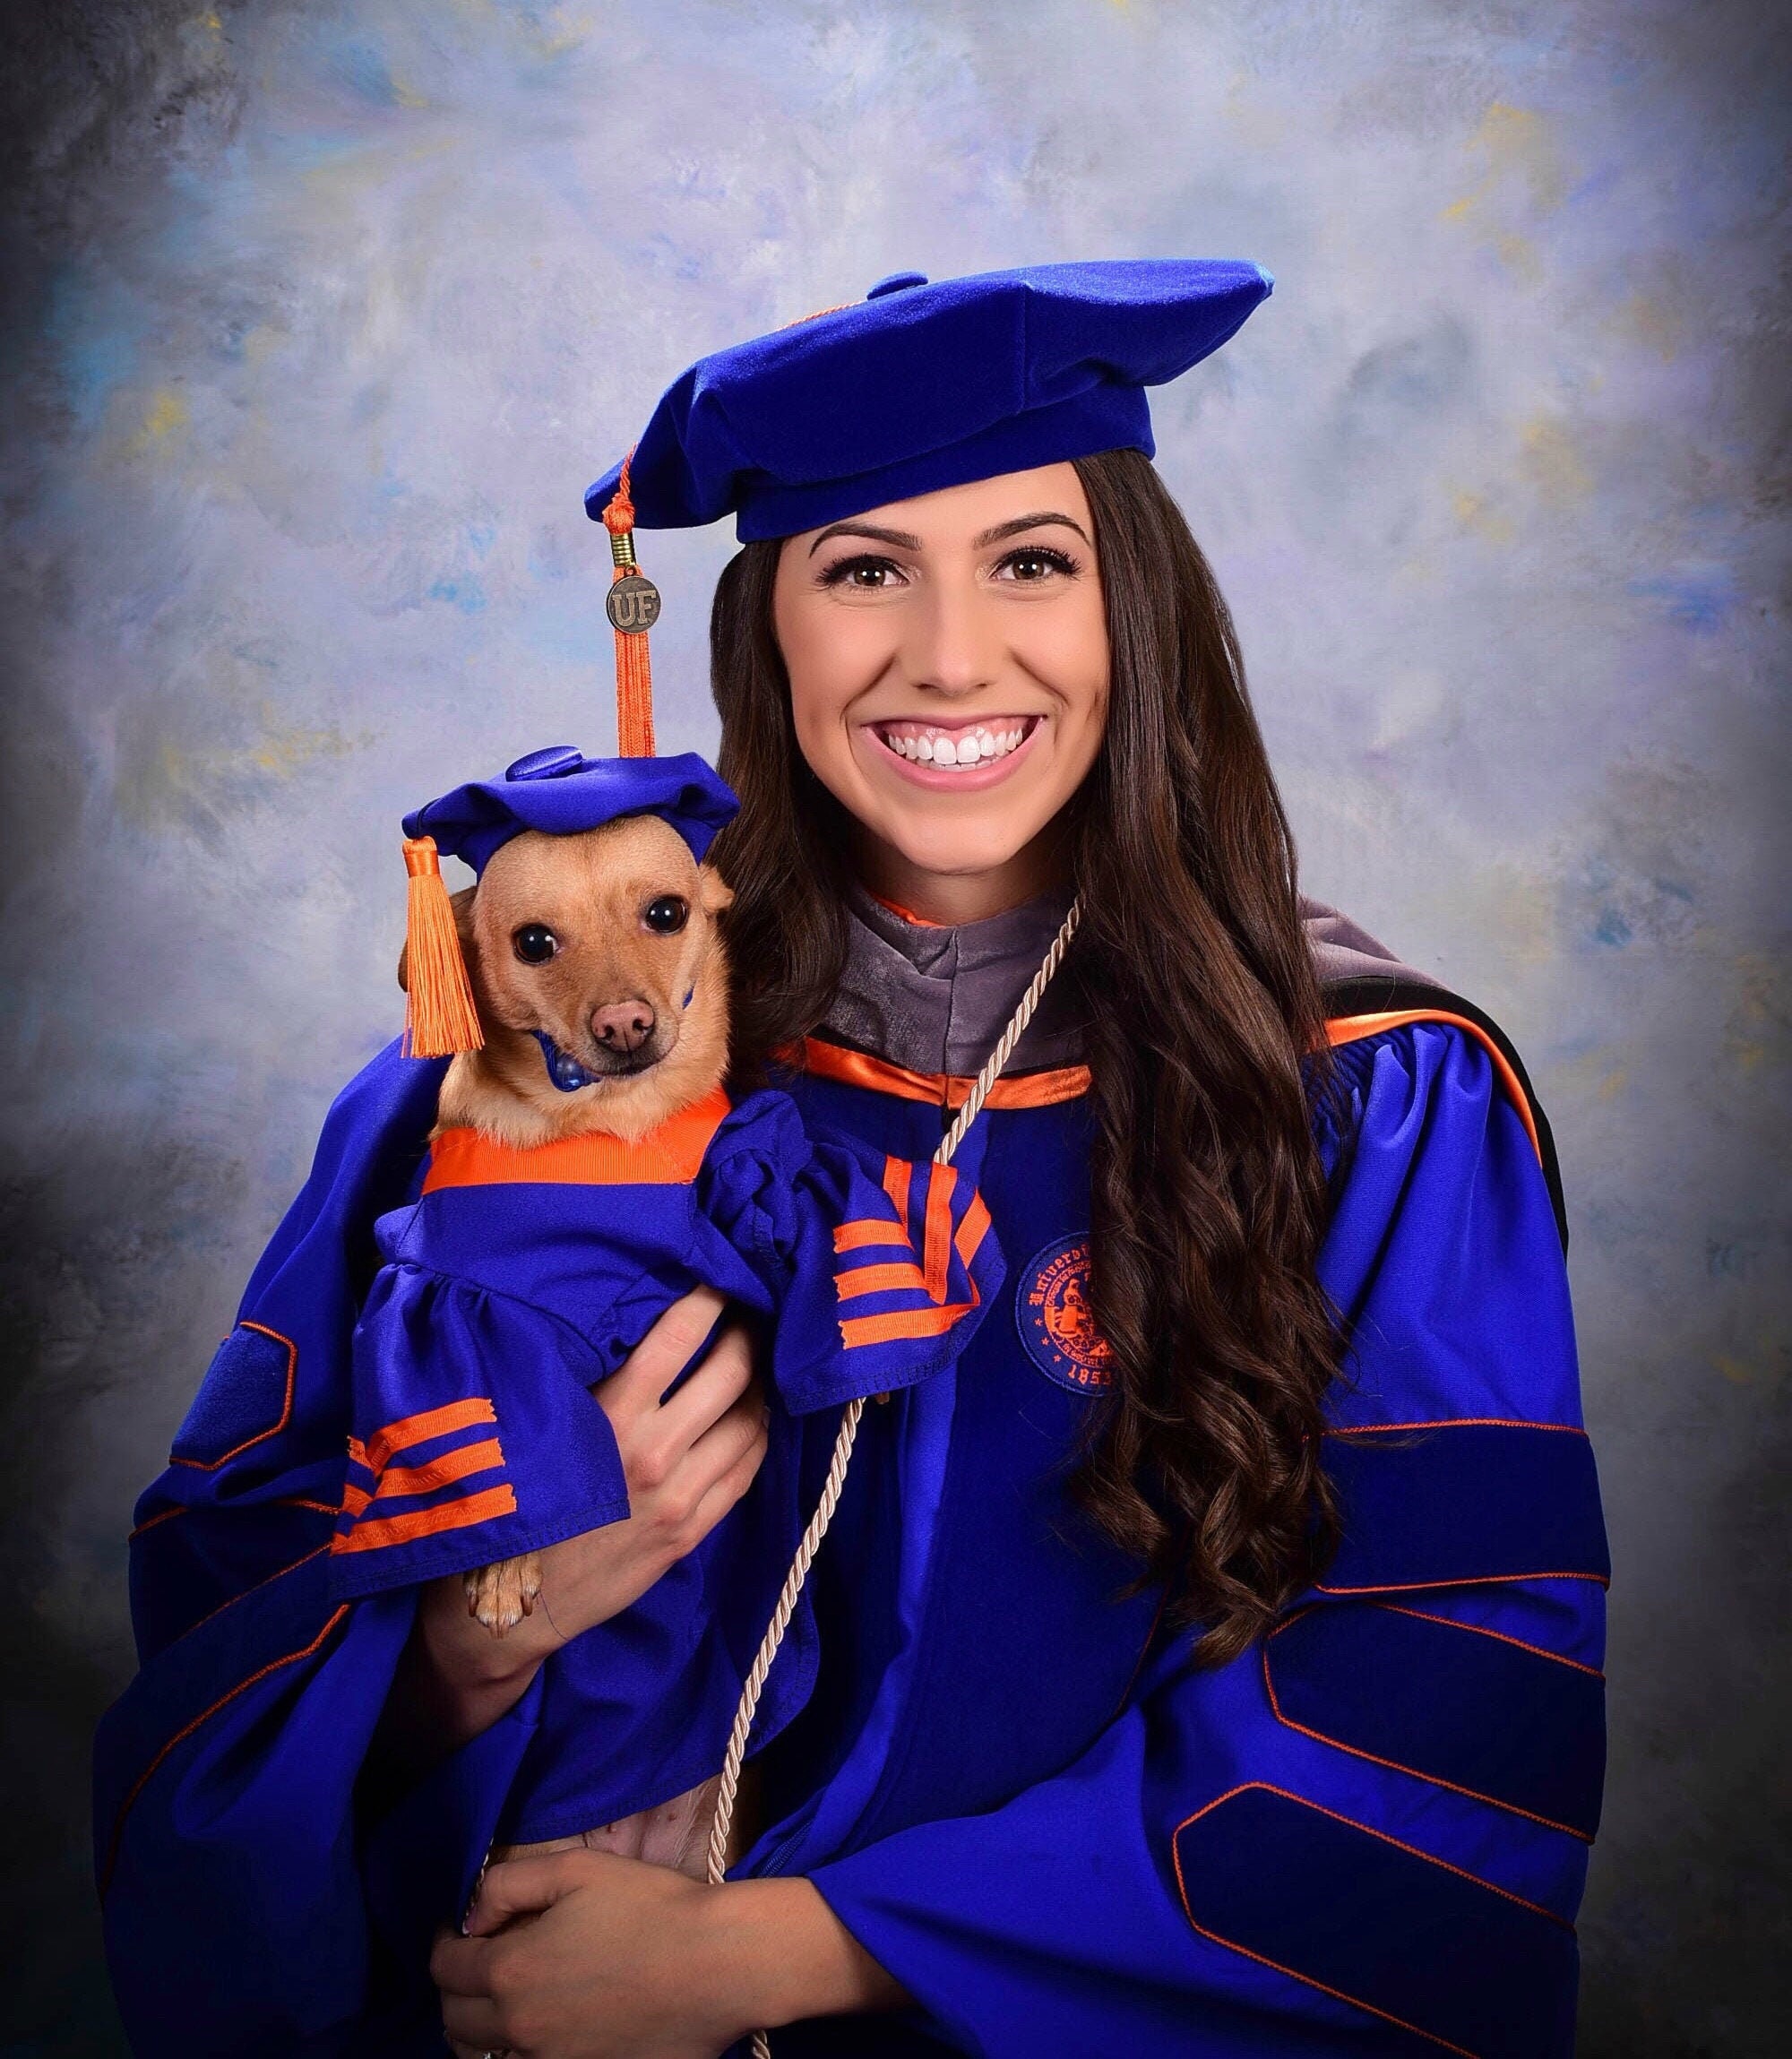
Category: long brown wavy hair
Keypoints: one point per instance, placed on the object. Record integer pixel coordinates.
(1208, 1199)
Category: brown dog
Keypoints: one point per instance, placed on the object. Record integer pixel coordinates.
(601, 986)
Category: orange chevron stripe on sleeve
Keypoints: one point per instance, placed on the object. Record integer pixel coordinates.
(442, 1471)
(936, 1255)
(972, 1231)
(866, 1232)
(415, 1429)
(879, 1279)
(380, 1530)
(855, 1329)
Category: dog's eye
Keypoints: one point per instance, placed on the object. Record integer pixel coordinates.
(666, 914)
(535, 944)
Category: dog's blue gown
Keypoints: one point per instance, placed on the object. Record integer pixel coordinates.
(1368, 1834)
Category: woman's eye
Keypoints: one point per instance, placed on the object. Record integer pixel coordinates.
(863, 574)
(535, 944)
(666, 914)
(1029, 567)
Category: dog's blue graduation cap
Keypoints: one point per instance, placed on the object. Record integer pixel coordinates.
(562, 792)
(926, 384)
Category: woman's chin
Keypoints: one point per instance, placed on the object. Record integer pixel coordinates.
(957, 853)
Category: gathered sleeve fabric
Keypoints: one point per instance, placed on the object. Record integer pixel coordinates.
(1369, 1833)
(882, 1268)
(475, 1435)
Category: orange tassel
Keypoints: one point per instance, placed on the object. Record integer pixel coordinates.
(440, 1018)
(634, 675)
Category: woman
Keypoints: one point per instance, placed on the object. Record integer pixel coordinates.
(1207, 1664)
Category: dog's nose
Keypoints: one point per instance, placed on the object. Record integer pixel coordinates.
(625, 1026)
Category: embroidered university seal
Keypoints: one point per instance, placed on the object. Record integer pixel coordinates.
(1057, 1324)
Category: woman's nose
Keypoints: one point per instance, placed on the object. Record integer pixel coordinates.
(953, 645)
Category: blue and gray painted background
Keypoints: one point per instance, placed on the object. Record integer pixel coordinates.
(319, 317)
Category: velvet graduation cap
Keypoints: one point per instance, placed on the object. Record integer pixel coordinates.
(558, 791)
(924, 386)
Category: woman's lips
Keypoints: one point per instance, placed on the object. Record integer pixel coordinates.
(971, 754)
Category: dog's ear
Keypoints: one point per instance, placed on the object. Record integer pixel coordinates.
(462, 904)
(713, 892)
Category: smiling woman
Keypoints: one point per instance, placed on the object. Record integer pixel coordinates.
(1071, 601)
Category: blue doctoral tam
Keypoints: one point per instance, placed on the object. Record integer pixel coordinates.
(562, 792)
(921, 386)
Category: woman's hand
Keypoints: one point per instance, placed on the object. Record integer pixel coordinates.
(587, 1956)
(687, 1461)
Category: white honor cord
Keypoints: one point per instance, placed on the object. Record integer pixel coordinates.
(843, 1443)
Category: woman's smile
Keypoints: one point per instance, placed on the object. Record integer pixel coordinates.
(970, 755)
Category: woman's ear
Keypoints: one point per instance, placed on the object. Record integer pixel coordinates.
(713, 892)
(462, 904)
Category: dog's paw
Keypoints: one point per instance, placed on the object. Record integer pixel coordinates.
(500, 1596)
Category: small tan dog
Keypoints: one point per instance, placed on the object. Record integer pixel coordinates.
(601, 986)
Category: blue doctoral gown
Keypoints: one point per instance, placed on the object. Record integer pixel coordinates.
(1367, 1835)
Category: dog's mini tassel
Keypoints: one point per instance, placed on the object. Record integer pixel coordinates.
(440, 1018)
(632, 606)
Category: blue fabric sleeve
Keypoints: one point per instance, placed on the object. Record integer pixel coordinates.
(475, 1435)
(248, 1906)
(881, 1270)
(255, 1475)
(1368, 1834)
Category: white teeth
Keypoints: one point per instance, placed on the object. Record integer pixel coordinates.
(966, 747)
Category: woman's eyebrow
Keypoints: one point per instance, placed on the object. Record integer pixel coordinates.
(898, 537)
(1003, 530)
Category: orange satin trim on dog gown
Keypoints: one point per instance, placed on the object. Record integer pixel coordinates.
(670, 1156)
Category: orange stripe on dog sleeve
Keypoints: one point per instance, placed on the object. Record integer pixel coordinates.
(442, 1472)
(859, 1236)
(432, 1423)
(354, 1500)
(936, 1255)
(896, 1172)
(906, 1322)
(670, 1156)
(879, 1279)
(357, 1452)
(427, 1522)
(972, 1231)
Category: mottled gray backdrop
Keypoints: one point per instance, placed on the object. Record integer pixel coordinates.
(318, 318)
